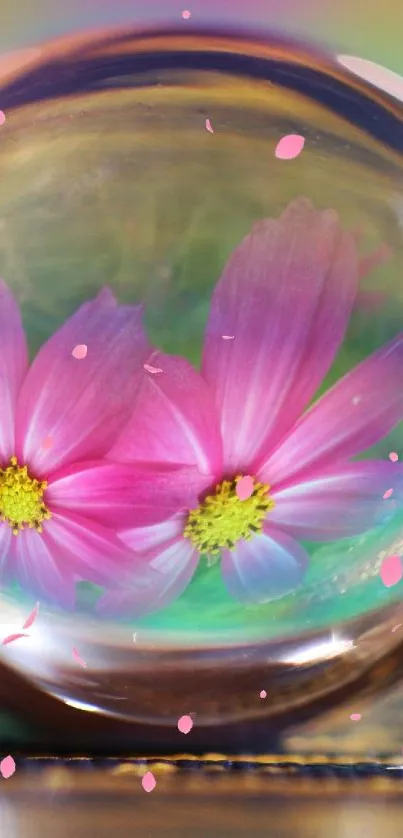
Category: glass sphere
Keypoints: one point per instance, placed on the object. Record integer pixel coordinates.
(201, 374)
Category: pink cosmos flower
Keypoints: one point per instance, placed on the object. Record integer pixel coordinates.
(58, 418)
(278, 317)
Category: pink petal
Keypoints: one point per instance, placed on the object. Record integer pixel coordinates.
(13, 367)
(286, 295)
(175, 561)
(391, 571)
(289, 147)
(339, 504)
(174, 421)
(355, 414)
(82, 405)
(31, 617)
(12, 637)
(121, 495)
(265, 568)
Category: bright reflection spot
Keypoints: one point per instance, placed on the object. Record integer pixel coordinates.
(316, 652)
(375, 74)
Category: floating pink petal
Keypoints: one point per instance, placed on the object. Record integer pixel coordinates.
(244, 487)
(12, 637)
(209, 126)
(289, 147)
(391, 571)
(186, 15)
(149, 782)
(228, 337)
(80, 351)
(2, 117)
(7, 767)
(151, 369)
(185, 724)
(263, 694)
(393, 457)
(387, 494)
(31, 617)
(78, 659)
(355, 717)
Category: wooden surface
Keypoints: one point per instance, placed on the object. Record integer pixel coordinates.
(253, 803)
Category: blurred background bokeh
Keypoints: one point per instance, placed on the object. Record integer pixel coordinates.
(370, 29)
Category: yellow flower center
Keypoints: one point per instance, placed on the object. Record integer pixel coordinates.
(21, 498)
(223, 518)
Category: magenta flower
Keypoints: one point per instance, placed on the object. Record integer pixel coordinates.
(278, 316)
(60, 503)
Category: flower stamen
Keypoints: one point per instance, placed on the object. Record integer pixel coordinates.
(223, 518)
(21, 498)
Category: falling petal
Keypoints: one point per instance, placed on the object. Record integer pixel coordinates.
(78, 659)
(355, 717)
(2, 117)
(186, 15)
(393, 457)
(7, 767)
(263, 694)
(12, 637)
(31, 617)
(79, 352)
(244, 487)
(185, 724)
(152, 370)
(391, 571)
(209, 126)
(289, 147)
(149, 782)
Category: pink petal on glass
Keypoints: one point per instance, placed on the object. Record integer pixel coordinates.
(83, 405)
(13, 367)
(244, 487)
(175, 420)
(265, 568)
(2, 117)
(7, 767)
(356, 413)
(209, 126)
(338, 503)
(31, 617)
(80, 352)
(391, 571)
(78, 659)
(11, 638)
(289, 147)
(297, 278)
(263, 694)
(355, 717)
(149, 782)
(387, 494)
(185, 724)
(393, 457)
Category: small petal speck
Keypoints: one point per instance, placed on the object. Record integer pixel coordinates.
(388, 494)
(11, 638)
(209, 127)
(185, 724)
(149, 782)
(7, 767)
(391, 571)
(228, 337)
(186, 15)
(393, 456)
(244, 488)
(289, 147)
(31, 617)
(2, 117)
(80, 351)
(263, 694)
(153, 370)
(355, 717)
(78, 659)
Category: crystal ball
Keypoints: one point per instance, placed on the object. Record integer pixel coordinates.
(201, 373)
